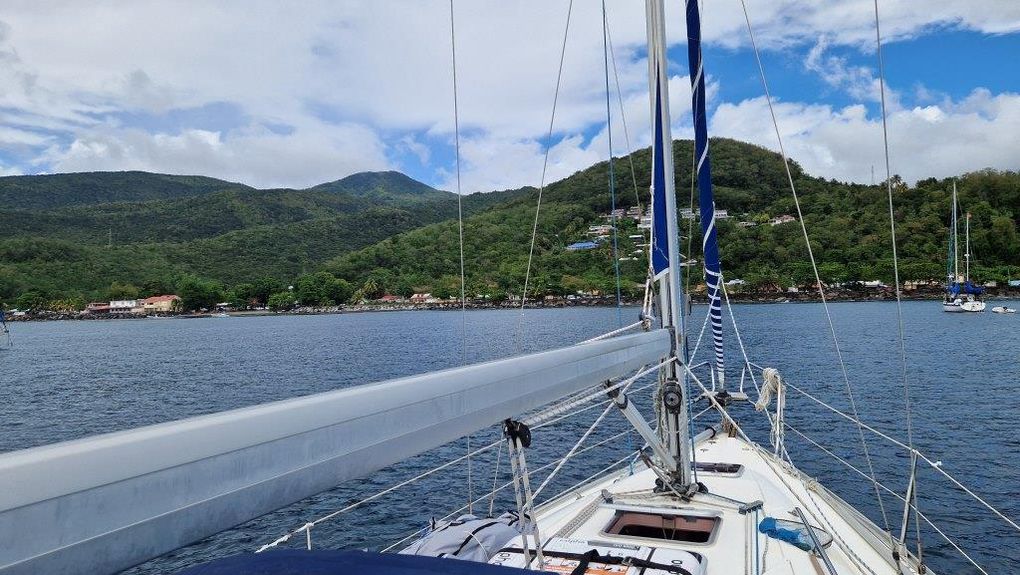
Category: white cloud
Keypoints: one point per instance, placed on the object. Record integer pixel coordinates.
(361, 81)
(300, 159)
(859, 82)
(982, 130)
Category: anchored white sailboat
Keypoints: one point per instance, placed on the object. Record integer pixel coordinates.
(961, 296)
(711, 503)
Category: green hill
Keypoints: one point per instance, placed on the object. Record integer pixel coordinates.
(384, 232)
(90, 188)
(393, 185)
(848, 225)
(72, 247)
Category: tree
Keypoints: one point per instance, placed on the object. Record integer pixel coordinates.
(372, 290)
(241, 295)
(122, 291)
(321, 289)
(263, 287)
(341, 291)
(281, 301)
(155, 286)
(197, 294)
(68, 304)
(30, 300)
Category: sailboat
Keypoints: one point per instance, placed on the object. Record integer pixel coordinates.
(3, 328)
(960, 296)
(683, 503)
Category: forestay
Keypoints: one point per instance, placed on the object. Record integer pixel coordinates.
(101, 504)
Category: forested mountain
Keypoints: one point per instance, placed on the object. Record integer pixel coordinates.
(89, 188)
(383, 232)
(73, 248)
(848, 225)
(380, 185)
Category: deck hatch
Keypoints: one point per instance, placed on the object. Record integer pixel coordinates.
(662, 526)
(728, 468)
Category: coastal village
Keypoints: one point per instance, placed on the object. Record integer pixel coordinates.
(633, 227)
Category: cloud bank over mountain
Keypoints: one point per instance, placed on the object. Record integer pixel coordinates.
(271, 96)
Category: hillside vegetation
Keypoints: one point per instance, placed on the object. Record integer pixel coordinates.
(56, 246)
(848, 225)
(376, 233)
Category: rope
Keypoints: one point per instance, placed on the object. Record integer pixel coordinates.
(612, 178)
(848, 552)
(615, 332)
(697, 342)
(460, 225)
(541, 186)
(495, 479)
(646, 306)
(814, 265)
(556, 410)
(772, 382)
(515, 474)
(529, 501)
(740, 340)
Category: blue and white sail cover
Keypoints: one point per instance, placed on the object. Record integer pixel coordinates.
(710, 244)
(660, 229)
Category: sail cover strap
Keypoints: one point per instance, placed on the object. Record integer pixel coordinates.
(710, 244)
(101, 504)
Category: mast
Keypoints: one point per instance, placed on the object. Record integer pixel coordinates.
(956, 241)
(966, 253)
(706, 202)
(665, 252)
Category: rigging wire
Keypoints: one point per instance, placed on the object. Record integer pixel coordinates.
(649, 285)
(460, 228)
(896, 263)
(890, 492)
(814, 266)
(612, 178)
(623, 118)
(541, 186)
(936, 465)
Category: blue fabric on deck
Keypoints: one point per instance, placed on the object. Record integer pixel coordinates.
(770, 526)
(301, 562)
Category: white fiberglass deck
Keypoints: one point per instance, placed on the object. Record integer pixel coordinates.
(584, 515)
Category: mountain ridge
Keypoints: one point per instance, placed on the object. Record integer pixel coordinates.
(404, 237)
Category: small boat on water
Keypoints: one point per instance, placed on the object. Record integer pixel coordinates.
(1003, 309)
(220, 314)
(960, 296)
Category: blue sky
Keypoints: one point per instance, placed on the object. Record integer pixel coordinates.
(269, 96)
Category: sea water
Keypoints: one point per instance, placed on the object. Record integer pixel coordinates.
(71, 379)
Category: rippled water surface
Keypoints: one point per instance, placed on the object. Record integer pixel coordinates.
(65, 380)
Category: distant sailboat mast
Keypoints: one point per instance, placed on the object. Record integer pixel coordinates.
(710, 244)
(956, 243)
(966, 253)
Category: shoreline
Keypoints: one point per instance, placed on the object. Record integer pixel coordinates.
(697, 299)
